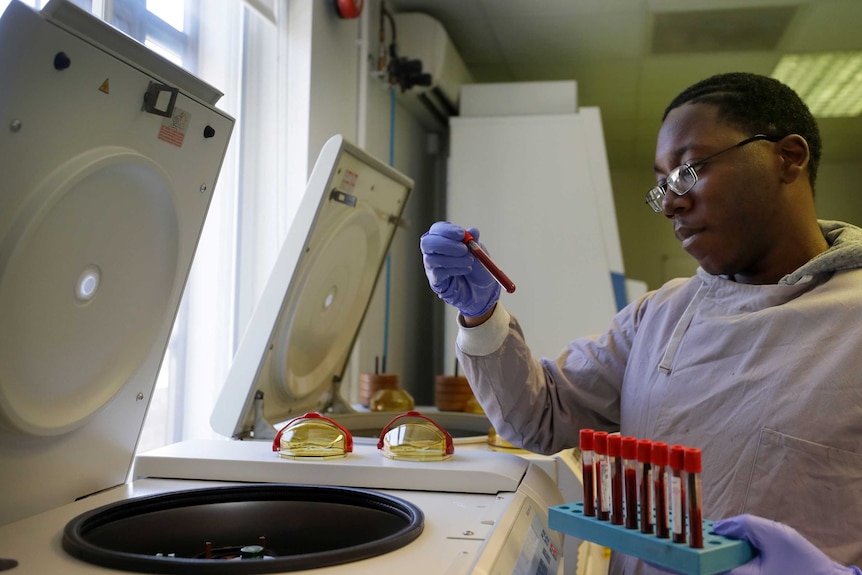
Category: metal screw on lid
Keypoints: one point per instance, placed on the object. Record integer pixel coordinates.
(251, 552)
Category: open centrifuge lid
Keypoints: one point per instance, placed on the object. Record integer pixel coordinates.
(298, 341)
(110, 154)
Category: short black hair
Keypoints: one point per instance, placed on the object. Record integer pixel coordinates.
(759, 105)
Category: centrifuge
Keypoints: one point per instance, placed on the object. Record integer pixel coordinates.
(110, 155)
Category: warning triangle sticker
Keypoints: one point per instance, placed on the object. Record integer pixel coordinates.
(106, 86)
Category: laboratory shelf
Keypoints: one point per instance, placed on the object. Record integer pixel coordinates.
(718, 554)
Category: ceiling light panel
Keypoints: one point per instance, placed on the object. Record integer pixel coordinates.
(830, 83)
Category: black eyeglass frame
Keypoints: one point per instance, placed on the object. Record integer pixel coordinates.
(655, 196)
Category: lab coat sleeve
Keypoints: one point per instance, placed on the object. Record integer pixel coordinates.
(540, 404)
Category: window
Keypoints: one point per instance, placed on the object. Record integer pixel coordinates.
(39, 4)
(237, 46)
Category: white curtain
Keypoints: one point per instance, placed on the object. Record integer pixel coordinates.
(241, 51)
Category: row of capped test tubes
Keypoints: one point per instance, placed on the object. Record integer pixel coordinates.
(643, 484)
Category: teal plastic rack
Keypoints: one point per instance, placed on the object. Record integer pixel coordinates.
(719, 553)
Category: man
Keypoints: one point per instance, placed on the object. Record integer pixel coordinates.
(755, 360)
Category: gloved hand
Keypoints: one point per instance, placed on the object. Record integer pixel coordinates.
(454, 273)
(782, 549)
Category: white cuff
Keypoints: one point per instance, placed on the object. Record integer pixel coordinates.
(486, 338)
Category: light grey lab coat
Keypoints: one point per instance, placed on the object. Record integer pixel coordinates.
(765, 379)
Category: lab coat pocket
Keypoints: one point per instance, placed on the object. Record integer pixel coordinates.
(813, 487)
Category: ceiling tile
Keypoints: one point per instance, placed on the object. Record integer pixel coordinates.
(720, 30)
(586, 36)
(825, 26)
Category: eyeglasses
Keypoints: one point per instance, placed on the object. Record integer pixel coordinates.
(682, 179)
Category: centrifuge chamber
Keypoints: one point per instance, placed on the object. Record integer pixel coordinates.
(252, 528)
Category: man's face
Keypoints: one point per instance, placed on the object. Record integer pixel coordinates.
(730, 219)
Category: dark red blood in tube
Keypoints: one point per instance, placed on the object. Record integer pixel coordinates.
(630, 452)
(489, 264)
(586, 445)
(645, 487)
(659, 463)
(695, 509)
(603, 483)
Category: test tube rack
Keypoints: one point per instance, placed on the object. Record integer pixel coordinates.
(719, 553)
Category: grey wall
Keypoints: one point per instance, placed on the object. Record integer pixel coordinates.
(335, 106)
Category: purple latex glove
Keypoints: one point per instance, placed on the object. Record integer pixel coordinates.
(454, 273)
(783, 551)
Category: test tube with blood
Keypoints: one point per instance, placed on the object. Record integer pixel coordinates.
(659, 469)
(676, 462)
(586, 445)
(630, 451)
(645, 484)
(603, 476)
(616, 468)
(489, 264)
(693, 466)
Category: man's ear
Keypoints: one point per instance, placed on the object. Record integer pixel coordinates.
(795, 154)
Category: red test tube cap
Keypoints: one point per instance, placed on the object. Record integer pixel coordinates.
(659, 453)
(693, 461)
(586, 439)
(614, 445)
(644, 450)
(601, 442)
(676, 460)
(630, 447)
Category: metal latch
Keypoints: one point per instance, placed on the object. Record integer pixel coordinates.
(153, 95)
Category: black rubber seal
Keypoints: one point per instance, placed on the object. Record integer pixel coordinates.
(306, 527)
